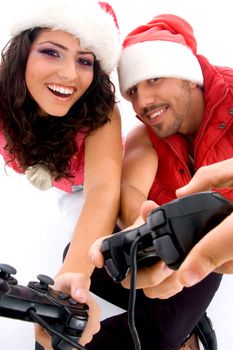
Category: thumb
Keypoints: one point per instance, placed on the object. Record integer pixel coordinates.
(147, 207)
(76, 284)
(213, 251)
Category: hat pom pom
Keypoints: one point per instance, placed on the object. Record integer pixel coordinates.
(39, 176)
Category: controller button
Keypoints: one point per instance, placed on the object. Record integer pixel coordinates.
(113, 271)
(78, 323)
(72, 301)
(156, 219)
(6, 271)
(166, 249)
(105, 247)
(45, 282)
(3, 286)
(42, 285)
(63, 296)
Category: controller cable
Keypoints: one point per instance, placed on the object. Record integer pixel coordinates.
(36, 318)
(132, 293)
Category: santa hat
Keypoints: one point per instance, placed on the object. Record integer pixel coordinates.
(164, 47)
(94, 23)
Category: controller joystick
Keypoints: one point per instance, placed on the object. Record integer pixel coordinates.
(43, 284)
(5, 273)
(169, 233)
(63, 317)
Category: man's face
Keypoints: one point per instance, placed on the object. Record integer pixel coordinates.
(164, 104)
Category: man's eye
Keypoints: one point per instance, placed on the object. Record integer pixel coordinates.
(153, 80)
(132, 91)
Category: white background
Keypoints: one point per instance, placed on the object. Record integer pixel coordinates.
(33, 231)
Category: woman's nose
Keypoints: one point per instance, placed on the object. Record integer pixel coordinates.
(68, 71)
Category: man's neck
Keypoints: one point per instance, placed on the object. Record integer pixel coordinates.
(196, 115)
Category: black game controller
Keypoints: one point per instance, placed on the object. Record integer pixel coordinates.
(66, 318)
(169, 233)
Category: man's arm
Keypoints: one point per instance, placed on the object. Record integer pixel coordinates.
(139, 169)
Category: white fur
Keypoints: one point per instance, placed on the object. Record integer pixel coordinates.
(85, 19)
(155, 59)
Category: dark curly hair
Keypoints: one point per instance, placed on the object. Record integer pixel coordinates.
(50, 141)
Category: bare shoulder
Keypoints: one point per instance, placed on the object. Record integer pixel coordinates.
(115, 115)
(138, 136)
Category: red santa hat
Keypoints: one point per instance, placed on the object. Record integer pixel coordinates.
(94, 23)
(164, 47)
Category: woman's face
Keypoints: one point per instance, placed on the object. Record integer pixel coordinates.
(58, 72)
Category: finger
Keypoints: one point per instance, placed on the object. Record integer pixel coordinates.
(216, 175)
(213, 251)
(76, 284)
(93, 324)
(95, 255)
(42, 337)
(226, 268)
(198, 183)
(149, 276)
(169, 287)
(147, 207)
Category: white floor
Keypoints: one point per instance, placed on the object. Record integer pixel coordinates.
(33, 235)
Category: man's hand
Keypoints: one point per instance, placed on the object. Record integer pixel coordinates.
(218, 175)
(157, 281)
(215, 251)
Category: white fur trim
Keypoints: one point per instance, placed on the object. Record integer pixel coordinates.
(156, 59)
(39, 176)
(85, 19)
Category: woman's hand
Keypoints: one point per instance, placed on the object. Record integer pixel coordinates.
(76, 284)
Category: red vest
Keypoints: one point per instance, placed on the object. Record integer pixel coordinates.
(213, 142)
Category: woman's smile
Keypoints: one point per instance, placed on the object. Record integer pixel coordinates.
(58, 72)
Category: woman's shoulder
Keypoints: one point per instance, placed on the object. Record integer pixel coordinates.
(115, 114)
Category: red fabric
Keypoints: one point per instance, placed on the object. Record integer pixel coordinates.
(213, 143)
(108, 8)
(164, 27)
(77, 164)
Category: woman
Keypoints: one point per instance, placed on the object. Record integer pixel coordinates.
(59, 122)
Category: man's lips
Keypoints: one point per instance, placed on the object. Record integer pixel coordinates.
(156, 113)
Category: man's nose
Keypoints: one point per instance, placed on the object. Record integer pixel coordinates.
(145, 96)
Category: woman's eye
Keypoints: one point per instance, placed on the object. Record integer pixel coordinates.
(50, 52)
(86, 61)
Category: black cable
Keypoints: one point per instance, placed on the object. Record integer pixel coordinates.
(36, 318)
(132, 293)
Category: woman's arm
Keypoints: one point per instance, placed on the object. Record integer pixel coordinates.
(103, 162)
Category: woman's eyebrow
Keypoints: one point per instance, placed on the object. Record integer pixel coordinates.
(82, 52)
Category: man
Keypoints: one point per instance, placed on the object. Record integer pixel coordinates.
(186, 108)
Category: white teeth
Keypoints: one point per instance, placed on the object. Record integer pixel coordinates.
(156, 114)
(61, 90)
